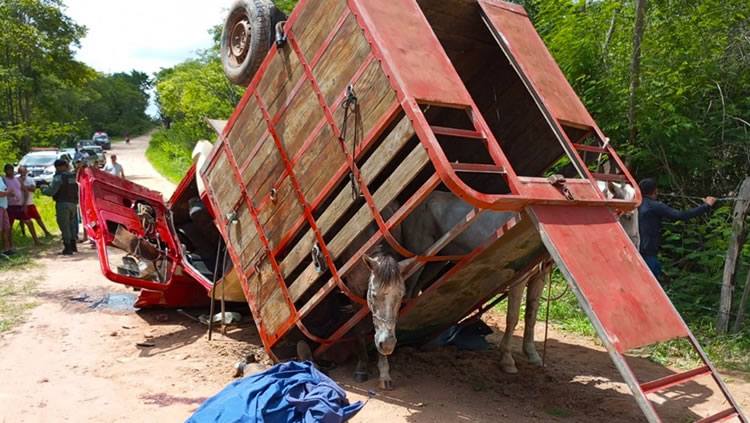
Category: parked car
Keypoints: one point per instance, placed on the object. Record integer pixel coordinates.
(41, 164)
(85, 143)
(102, 140)
(96, 155)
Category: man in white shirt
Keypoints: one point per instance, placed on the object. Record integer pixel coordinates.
(114, 168)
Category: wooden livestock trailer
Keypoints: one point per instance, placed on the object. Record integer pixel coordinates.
(366, 104)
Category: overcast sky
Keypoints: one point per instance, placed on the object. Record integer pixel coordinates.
(145, 35)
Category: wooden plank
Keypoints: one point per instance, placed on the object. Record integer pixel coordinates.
(275, 311)
(244, 238)
(263, 171)
(279, 79)
(298, 121)
(226, 194)
(314, 24)
(251, 128)
(340, 61)
(375, 96)
(375, 164)
(319, 163)
(402, 176)
(278, 217)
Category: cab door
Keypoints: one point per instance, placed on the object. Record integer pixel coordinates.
(132, 229)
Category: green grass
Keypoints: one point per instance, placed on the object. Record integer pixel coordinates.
(731, 352)
(170, 152)
(169, 168)
(24, 244)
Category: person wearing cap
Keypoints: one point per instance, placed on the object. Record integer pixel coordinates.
(64, 190)
(114, 168)
(650, 214)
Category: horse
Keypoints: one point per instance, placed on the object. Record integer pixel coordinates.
(628, 220)
(437, 215)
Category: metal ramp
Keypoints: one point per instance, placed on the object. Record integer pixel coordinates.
(618, 293)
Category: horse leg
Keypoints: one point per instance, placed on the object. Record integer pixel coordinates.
(533, 294)
(385, 382)
(507, 364)
(360, 373)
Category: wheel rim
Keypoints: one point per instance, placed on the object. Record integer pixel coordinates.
(239, 41)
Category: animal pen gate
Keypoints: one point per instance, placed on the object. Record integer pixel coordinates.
(373, 103)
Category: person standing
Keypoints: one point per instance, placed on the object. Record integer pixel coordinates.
(29, 186)
(17, 203)
(114, 168)
(64, 190)
(5, 233)
(651, 212)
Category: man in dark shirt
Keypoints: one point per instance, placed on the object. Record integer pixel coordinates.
(650, 214)
(64, 190)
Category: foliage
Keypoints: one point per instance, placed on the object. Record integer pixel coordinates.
(47, 98)
(170, 151)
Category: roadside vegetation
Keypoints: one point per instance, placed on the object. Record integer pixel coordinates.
(677, 109)
(47, 98)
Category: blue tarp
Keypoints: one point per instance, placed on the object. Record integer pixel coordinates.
(285, 393)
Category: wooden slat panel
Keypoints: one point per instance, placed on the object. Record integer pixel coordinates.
(319, 163)
(375, 164)
(243, 236)
(402, 176)
(314, 24)
(275, 311)
(347, 51)
(223, 186)
(299, 120)
(375, 96)
(246, 132)
(277, 82)
(278, 217)
(263, 171)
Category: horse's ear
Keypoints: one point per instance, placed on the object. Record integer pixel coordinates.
(369, 262)
(404, 265)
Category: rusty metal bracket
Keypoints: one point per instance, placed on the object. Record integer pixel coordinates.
(558, 181)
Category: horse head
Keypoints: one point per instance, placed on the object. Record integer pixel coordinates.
(385, 290)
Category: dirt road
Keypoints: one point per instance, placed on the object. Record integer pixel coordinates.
(74, 360)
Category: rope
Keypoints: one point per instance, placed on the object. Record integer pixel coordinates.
(351, 105)
(690, 197)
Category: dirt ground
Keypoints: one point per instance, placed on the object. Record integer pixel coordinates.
(74, 360)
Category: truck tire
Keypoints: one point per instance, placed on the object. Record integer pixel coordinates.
(246, 38)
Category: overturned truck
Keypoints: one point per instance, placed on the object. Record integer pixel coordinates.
(358, 114)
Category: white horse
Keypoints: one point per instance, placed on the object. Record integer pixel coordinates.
(628, 220)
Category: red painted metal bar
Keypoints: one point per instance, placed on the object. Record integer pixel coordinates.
(721, 416)
(458, 133)
(675, 379)
(349, 157)
(610, 177)
(394, 221)
(591, 148)
(340, 332)
(478, 168)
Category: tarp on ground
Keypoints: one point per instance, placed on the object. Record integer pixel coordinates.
(286, 393)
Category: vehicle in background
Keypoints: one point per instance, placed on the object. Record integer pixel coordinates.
(69, 151)
(102, 140)
(96, 155)
(40, 163)
(85, 143)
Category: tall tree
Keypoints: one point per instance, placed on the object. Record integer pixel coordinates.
(635, 66)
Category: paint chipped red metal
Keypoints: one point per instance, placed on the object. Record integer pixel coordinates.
(521, 39)
(591, 246)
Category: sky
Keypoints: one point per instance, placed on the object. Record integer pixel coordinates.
(145, 35)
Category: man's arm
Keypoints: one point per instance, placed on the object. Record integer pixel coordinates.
(53, 187)
(122, 172)
(667, 212)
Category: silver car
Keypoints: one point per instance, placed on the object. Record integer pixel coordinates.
(41, 164)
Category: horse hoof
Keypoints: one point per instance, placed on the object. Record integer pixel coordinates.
(304, 353)
(509, 369)
(535, 362)
(385, 385)
(361, 377)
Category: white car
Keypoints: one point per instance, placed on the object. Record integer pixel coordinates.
(41, 164)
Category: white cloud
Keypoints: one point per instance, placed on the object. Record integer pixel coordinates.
(145, 35)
